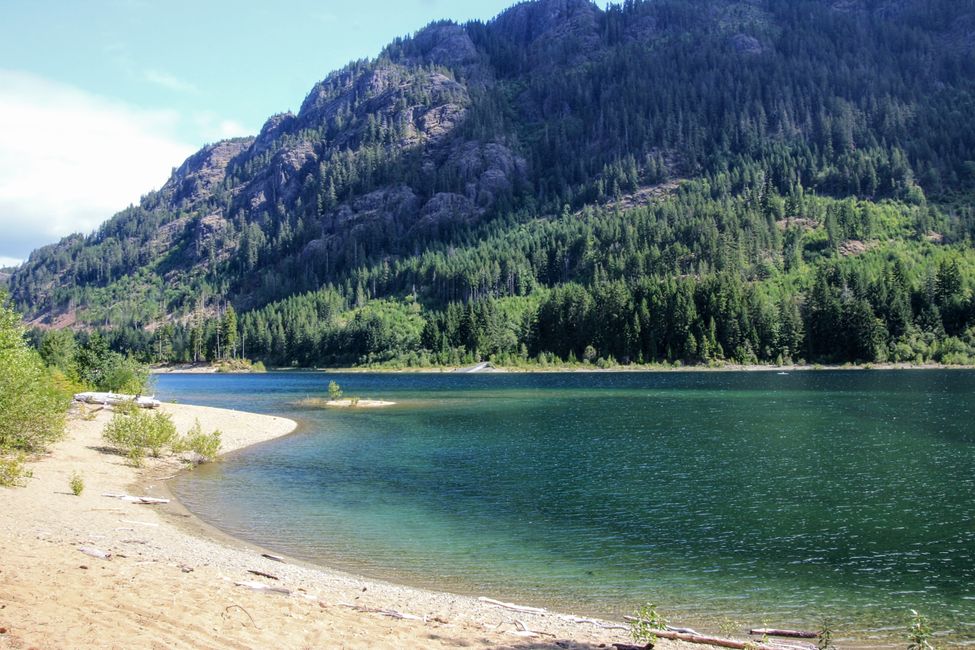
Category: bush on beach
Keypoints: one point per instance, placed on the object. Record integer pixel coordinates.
(205, 445)
(148, 432)
(141, 433)
(33, 407)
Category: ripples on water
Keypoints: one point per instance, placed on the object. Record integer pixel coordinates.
(748, 496)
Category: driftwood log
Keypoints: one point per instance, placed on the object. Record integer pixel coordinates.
(592, 621)
(94, 552)
(260, 586)
(131, 499)
(516, 608)
(703, 640)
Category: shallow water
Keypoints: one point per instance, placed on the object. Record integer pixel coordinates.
(754, 497)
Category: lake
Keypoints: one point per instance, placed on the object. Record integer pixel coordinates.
(747, 497)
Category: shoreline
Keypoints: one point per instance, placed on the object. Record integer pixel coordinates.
(208, 369)
(172, 577)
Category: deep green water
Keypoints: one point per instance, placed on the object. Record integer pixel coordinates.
(756, 497)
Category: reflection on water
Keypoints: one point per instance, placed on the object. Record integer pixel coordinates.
(749, 496)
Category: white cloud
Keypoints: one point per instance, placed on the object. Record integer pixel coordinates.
(9, 261)
(169, 81)
(70, 159)
(212, 127)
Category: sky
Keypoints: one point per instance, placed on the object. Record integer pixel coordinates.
(101, 99)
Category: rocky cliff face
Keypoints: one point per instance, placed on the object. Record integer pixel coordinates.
(200, 176)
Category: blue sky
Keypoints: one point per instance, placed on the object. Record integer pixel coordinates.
(101, 98)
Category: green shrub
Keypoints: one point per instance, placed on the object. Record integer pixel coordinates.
(32, 406)
(126, 408)
(160, 433)
(140, 432)
(12, 471)
(207, 445)
(77, 484)
(136, 455)
(123, 431)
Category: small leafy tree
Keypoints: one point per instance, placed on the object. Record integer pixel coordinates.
(334, 391)
(648, 622)
(919, 632)
(824, 640)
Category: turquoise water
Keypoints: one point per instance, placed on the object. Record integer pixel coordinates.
(755, 497)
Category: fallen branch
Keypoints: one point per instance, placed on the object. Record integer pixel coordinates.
(592, 621)
(262, 574)
(392, 613)
(523, 630)
(793, 634)
(276, 558)
(260, 586)
(228, 607)
(703, 640)
(131, 499)
(517, 608)
(94, 552)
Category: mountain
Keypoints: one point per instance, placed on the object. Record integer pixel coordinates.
(662, 179)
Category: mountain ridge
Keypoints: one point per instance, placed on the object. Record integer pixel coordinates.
(461, 130)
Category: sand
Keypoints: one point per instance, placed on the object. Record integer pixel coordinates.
(358, 403)
(171, 581)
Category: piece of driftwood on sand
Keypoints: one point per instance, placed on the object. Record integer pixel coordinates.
(511, 606)
(152, 501)
(591, 621)
(111, 399)
(94, 552)
(392, 613)
(262, 574)
(524, 631)
(260, 586)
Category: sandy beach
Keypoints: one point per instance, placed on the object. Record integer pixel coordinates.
(169, 581)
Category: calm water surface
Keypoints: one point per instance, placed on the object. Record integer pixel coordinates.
(755, 497)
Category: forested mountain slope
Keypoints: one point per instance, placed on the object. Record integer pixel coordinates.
(659, 180)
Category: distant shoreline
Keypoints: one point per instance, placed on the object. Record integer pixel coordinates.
(211, 369)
